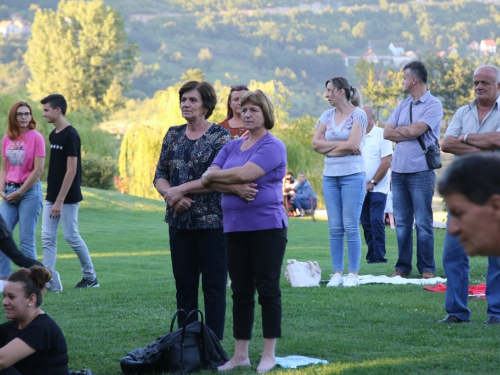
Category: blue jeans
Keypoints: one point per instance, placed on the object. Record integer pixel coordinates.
(456, 266)
(50, 226)
(344, 196)
(301, 204)
(25, 212)
(372, 220)
(412, 196)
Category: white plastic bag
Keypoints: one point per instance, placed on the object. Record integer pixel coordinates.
(302, 274)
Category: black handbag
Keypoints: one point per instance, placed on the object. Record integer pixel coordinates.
(432, 153)
(190, 348)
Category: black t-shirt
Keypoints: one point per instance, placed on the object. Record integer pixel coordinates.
(43, 335)
(63, 144)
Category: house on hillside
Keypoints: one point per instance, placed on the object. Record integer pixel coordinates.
(397, 49)
(338, 51)
(370, 56)
(15, 27)
(447, 52)
(488, 47)
(473, 46)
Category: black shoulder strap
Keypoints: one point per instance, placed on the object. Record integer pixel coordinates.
(419, 138)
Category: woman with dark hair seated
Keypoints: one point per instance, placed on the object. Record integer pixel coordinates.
(30, 342)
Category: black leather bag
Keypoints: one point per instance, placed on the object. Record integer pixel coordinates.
(432, 153)
(433, 156)
(190, 348)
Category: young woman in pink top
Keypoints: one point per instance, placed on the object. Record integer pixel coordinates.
(23, 158)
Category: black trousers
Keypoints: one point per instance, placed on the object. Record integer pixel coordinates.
(195, 252)
(10, 371)
(9, 248)
(254, 261)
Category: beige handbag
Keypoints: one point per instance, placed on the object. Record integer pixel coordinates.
(302, 274)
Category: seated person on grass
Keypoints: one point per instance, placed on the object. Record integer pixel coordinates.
(305, 197)
(30, 342)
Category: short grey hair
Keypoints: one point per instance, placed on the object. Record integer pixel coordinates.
(493, 67)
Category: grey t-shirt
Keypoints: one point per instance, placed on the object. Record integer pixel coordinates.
(466, 120)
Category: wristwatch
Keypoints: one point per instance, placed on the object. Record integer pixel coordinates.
(373, 182)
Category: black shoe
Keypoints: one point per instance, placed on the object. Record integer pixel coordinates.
(452, 319)
(86, 283)
(376, 261)
(492, 320)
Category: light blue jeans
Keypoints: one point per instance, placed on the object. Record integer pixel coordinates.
(25, 212)
(344, 197)
(50, 226)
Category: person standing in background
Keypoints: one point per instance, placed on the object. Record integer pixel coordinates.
(377, 156)
(63, 194)
(413, 181)
(474, 128)
(233, 121)
(339, 136)
(23, 159)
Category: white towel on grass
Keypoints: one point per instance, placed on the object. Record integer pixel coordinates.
(294, 361)
(383, 279)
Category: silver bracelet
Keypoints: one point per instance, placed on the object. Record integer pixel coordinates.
(465, 138)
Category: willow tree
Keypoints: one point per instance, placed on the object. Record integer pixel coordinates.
(82, 51)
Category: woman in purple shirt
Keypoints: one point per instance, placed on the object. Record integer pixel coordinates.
(255, 246)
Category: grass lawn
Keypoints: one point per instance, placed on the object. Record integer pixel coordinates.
(371, 329)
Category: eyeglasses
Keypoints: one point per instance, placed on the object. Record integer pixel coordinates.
(239, 87)
(23, 114)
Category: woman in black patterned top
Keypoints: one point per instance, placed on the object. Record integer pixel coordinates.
(194, 213)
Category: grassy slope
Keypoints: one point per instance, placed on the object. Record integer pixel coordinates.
(372, 329)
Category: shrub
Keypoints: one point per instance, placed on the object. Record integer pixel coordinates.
(98, 171)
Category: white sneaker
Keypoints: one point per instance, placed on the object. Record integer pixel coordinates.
(54, 285)
(351, 280)
(336, 280)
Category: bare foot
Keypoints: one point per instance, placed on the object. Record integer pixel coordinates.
(266, 364)
(232, 363)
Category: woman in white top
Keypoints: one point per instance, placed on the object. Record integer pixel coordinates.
(339, 135)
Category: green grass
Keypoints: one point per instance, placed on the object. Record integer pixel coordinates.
(371, 329)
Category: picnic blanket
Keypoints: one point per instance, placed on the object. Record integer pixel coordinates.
(294, 361)
(475, 291)
(383, 279)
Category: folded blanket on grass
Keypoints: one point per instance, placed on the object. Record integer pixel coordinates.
(294, 361)
(383, 279)
(475, 291)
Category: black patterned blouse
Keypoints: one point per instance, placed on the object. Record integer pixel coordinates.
(183, 160)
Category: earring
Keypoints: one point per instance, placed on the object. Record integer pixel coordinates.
(29, 304)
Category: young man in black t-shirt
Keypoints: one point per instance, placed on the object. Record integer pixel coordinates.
(63, 194)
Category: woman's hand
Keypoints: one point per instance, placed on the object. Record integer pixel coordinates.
(173, 195)
(246, 192)
(183, 205)
(12, 197)
(205, 178)
(2, 194)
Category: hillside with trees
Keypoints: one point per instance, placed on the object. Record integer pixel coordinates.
(121, 62)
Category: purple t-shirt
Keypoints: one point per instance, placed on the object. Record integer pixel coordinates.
(266, 210)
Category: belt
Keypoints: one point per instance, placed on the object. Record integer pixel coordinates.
(13, 185)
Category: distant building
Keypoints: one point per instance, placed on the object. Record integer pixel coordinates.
(473, 46)
(338, 51)
(15, 27)
(370, 56)
(397, 49)
(488, 47)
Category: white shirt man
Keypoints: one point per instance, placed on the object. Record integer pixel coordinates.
(377, 156)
